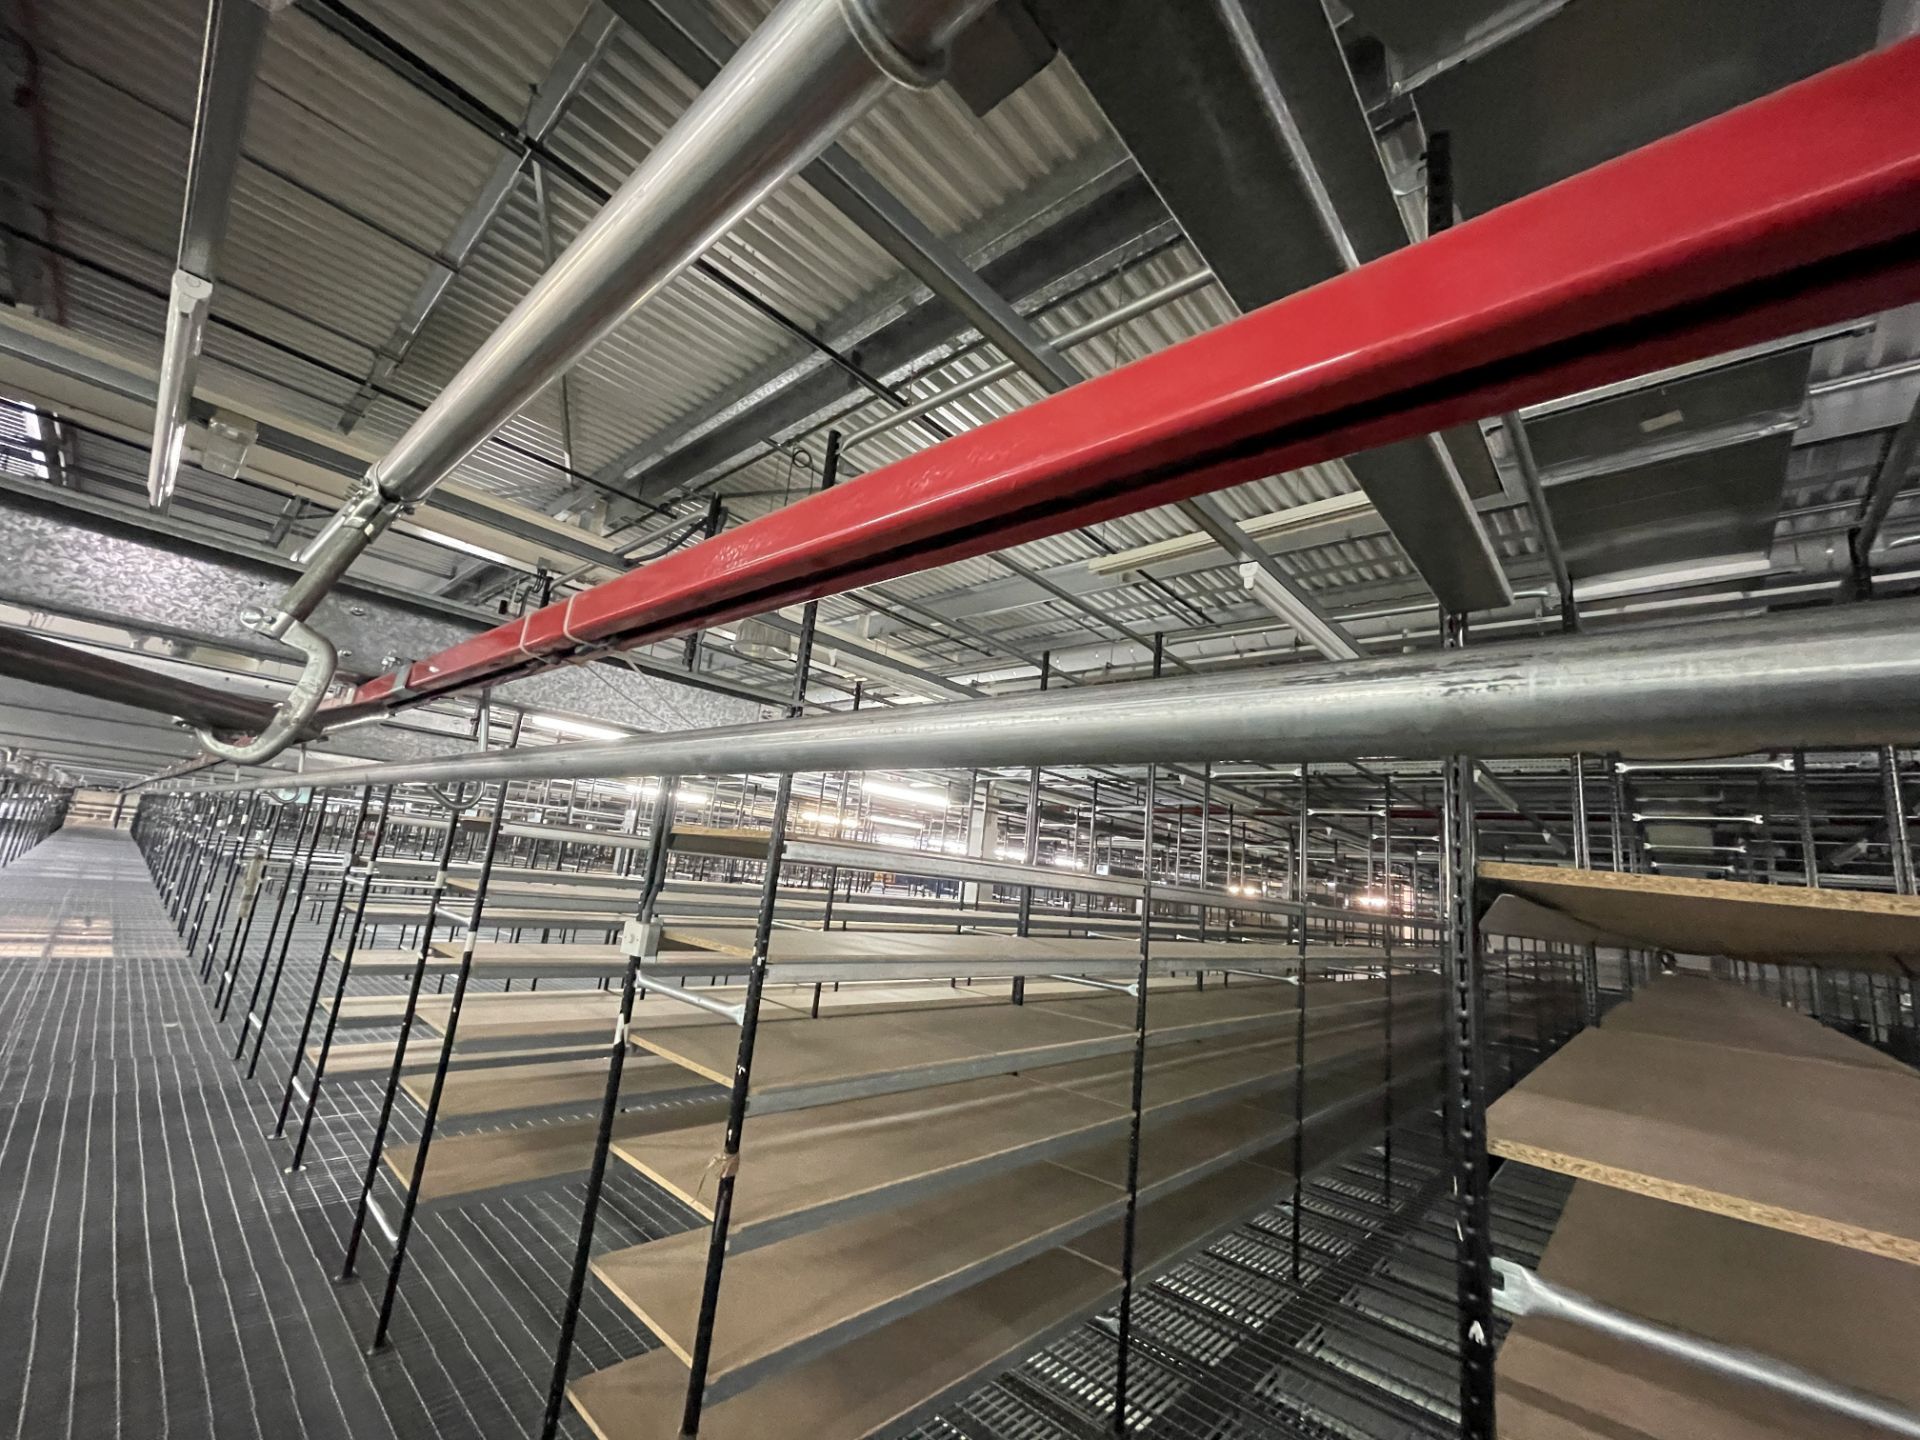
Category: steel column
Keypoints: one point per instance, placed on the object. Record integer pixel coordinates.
(1899, 837)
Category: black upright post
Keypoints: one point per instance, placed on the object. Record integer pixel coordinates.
(1809, 855)
(349, 853)
(193, 900)
(1386, 970)
(449, 1035)
(1129, 1226)
(298, 899)
(653, 882)
(319, 1075)
(303, 844)
(1301, 880)
(455, 807)
(1466, 1116)
(256, 880)
(729, 1159)
(230, 876)
(1024, 926)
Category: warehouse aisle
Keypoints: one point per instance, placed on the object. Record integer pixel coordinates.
(149, 1283)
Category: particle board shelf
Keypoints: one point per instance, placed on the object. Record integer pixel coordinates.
(1706, 1011)
(546, 1086)
(805, 1168)
(788, 1302)
(840, 1058)
(1774, 924)
(802, 956)
(513, 1014)
(486, 1164)
(563, 917)
(1006, 874)
(844, 1057)
(497, 962)
(1840, 1314)
(887, 1378)
(1785, 1136)
(373, 1059)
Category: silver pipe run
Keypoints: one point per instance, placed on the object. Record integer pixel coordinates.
(1826, 678)
(809, 71)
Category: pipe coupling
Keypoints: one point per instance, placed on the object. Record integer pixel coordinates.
(868, 23)
(368, 510)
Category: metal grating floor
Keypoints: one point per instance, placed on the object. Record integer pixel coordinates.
(153, 1282)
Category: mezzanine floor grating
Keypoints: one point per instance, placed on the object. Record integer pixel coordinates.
(152, 1282)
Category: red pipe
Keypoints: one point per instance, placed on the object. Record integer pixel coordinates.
(1796, 210)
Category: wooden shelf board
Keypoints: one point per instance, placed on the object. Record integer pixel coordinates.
(884, 1379)
(901, 1049)
(801, 1169)
(549, 1085)
(1785, 1137)
(1785, 924)
(1840, 1314)
(462, 1168)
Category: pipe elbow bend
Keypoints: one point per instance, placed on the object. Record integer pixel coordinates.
(296, 712)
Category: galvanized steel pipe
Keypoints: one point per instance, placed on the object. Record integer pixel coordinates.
(1827, 678)
(804, 75)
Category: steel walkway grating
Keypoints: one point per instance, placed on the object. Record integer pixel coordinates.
(153, 1281)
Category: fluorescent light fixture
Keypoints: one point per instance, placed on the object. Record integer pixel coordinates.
(577, 729)
(685, 795)
(1292, 604)
(1629, 767)
(1669, 577)
(854, 822)
(186, 328)
(1702, 819)
(910, 794)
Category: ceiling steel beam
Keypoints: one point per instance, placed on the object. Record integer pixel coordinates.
(550, 100)
(1543, 526)
(1271, 585)
(236, 30)
(1896, 463)
(1271, 167)
(1114, 214)
(27, 656)
(1702, 242)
